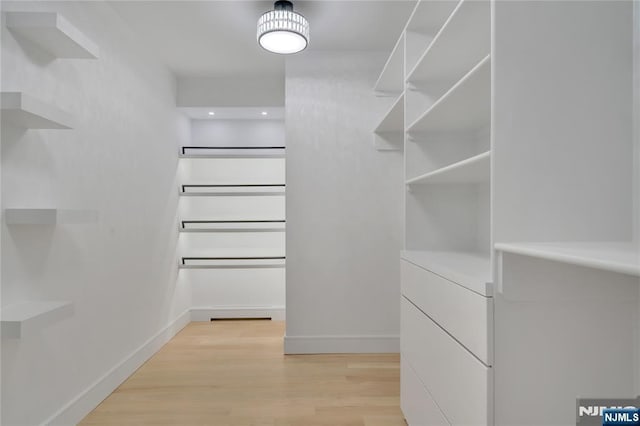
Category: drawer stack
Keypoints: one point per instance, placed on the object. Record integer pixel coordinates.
(446, 351)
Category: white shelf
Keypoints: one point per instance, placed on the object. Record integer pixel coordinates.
(424, 23)
(391, 79)
(203, 152)
(26, 317)
(52, 32)
(234, 264)
(232, 156)
(235, 227)
(467, 105)
(472, 170)
(230, 191)
(49, 216)
(620, 257)
(393, 119)
(30, 113)
(471, 270)
(462, 41)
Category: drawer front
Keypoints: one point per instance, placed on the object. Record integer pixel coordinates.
(464, 314)
(457, 381)
(418, 407)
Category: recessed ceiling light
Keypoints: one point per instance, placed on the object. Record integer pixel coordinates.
(212, 113)
(264, 113)
(282, 30)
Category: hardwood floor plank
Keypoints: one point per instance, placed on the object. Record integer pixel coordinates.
(234, 373)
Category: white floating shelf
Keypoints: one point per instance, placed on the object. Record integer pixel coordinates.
(620, 257)
(472, 170)
(467, 105)
(52, 32)
(235, 227)
(30, 113)
(49, 216)
(471, 270)
(232, 156)
(23, 318)
(467, 32)
(240, 191)
(391, 79)
(233, 264)
(204, 152)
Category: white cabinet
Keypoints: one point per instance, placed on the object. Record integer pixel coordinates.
(521, 207)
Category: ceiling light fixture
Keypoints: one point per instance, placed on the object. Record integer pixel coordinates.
(212, 113)
(264, 113)
(282, 30)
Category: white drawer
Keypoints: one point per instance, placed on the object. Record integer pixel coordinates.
(464, 314)
(458, 382)
(418, 407)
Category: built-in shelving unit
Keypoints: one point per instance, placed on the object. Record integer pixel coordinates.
(21, 319)
(245, 221)
(26, 111)
(443, 126)
(46, 216)
(501, 144)
(53, 33)
(620, 257)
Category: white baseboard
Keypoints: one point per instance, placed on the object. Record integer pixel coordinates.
(73, 412)
(206, 313)
(341, 344)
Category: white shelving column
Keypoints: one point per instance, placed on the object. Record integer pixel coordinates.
(232, 230)
(445, 91)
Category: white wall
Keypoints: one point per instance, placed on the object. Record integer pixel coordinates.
(237, 132)
(120, 160)
(233, 91)
(343, 209)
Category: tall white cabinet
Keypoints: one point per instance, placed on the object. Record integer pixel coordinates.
(516, 122)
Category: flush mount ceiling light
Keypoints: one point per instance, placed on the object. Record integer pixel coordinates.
(282, 30)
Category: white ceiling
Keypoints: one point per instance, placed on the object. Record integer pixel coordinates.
(208, 38)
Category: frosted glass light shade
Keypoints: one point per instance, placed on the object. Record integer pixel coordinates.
(283, 30)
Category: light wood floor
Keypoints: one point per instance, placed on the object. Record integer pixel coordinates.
(234, 373)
